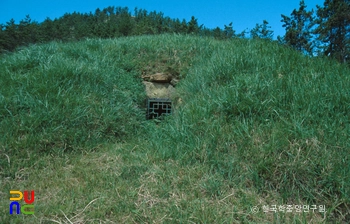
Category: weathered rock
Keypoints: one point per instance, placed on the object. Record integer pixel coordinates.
(160, 78)
(159, 90)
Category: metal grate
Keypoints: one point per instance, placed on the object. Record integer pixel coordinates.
(157, 107)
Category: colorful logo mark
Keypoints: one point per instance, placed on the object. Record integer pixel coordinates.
(28, 208)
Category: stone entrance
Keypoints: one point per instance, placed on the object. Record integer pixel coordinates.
(160, 85)
(160, 88)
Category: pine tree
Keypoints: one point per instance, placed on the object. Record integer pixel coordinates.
(334, 29)
(228, 31)
(242, 34)
(47, 30)
(218, 33)
(184, 27)
(177, 25)
(141, 22)
(262, 31)
(11, 35)
(125, 22)
(298, 29)
(111, 21)
(193, 27)
(2, 38)
(100, 24)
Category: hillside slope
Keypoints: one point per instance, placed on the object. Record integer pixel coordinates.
(259, 124)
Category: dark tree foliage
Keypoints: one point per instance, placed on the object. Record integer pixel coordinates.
(143, 23)
(47, 30)
(11, 36)
(183, 27)
(228, 31)
(110, 22)
(262, 31)
(2, 38)
(26, 30)
(123, 22)
(242, 34)
(193, 27)
(298, 29)
(205, 32)
(99, 25)
(218, 33)
(333, 31)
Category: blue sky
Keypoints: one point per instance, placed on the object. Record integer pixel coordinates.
(243, 13)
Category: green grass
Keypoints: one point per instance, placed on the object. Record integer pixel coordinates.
(258, 124)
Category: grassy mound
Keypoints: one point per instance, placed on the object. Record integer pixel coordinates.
(263, 116)
(67, 96)
(259, 124)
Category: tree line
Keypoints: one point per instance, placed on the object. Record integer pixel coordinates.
(325, 32)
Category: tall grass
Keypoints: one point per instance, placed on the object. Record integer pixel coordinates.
(266, 117)
(259, 124)
(66, 96)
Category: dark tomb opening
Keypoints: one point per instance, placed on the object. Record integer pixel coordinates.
(157, 107)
